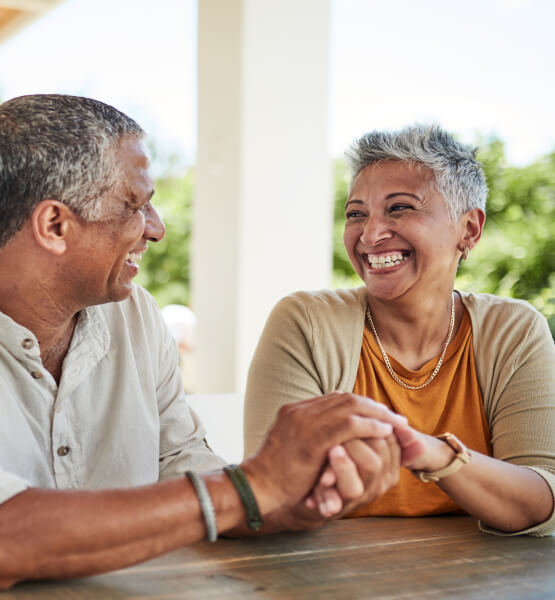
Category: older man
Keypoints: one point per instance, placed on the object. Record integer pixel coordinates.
(95, 432)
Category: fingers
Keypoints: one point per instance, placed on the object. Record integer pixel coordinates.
(296, 447)
(329, 477)
(328, 501)
(365, 427)
(364, 471)
(355, 405)
(349, 484)
(339, 481)
(412, 445)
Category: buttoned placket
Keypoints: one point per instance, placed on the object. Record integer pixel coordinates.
(81, 358)
(47, 388)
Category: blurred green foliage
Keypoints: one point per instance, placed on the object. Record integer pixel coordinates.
(516, 255)
(165, 268)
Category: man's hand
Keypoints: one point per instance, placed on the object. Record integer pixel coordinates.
(291, 457)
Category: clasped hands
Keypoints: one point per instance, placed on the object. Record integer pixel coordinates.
(361, 470)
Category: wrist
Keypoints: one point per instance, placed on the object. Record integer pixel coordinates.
(460, 456)
(267, 496)
(437, 455)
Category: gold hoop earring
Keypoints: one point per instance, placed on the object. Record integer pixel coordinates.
(465, 253)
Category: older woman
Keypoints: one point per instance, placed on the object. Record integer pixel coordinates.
(473, 373)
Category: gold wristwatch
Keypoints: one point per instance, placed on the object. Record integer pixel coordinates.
(462, 457)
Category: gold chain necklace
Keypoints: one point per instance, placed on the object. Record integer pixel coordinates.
(396, 378)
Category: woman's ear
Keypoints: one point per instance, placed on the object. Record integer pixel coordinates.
(50, 222)
(473, 226)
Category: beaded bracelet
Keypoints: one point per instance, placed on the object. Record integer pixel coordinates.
(206, 506)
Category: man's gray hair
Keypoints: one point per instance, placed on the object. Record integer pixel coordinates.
(459, 177)
(57, 147)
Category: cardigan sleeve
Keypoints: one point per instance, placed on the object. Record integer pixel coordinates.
(518, 378)
(310, 346)
(282, 370)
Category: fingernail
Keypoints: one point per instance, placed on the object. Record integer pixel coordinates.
(337, 452)
(322, 507)
(332, 506)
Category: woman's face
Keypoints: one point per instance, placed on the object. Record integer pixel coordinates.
(398, 232)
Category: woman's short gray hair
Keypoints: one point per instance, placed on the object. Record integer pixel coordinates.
(459, 177)
(57, 147)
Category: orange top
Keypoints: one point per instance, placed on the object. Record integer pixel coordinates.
(451, 402)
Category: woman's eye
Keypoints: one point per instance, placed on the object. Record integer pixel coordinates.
(399, 207)
(353, 214)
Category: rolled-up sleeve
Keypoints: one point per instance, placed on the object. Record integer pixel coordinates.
(182, 435)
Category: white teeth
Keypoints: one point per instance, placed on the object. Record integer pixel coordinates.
(134, 257)
(382, 261)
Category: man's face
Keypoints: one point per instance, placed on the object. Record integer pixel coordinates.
(106, 255)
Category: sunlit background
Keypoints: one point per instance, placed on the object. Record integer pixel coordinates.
(482, 68)
(477, 67)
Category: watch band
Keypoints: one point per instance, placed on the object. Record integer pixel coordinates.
(242, 485)
(462, 457)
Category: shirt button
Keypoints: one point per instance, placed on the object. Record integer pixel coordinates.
(36, 374)
(63, 450)
(27, 343)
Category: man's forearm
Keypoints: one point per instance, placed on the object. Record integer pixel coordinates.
(46, 534)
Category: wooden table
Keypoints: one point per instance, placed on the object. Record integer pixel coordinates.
(441, 557)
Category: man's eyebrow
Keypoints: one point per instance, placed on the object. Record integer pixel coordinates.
(135, 200)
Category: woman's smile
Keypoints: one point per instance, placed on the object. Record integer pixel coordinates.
(385, 262)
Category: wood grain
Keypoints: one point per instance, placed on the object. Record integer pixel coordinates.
(382, 558)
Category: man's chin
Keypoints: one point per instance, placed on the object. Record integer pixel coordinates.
(122, 292)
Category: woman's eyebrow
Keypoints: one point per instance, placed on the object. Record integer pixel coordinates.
(353, 201)
(389, 196)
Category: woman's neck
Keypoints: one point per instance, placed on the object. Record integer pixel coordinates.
(415, 332)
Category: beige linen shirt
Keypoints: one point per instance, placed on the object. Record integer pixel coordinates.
(311, 345)
(118, 417)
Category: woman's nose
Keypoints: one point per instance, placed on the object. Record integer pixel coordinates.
(374, 230)
(154, 226)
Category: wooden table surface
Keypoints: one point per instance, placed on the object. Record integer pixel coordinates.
(440, 557)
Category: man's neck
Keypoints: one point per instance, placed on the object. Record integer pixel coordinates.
(30, 296)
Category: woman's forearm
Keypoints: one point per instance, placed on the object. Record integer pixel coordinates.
(502, 495)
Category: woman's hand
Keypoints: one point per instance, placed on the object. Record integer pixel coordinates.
(360, 471)
(357, 472)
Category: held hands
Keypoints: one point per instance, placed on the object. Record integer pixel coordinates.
(291, 458)
(362, 470)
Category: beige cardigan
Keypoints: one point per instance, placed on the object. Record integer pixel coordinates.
(311, 346)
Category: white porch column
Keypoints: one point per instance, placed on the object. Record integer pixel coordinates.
(263, 207)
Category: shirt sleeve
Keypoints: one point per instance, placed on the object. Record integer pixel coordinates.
(182, 436)
(11, 485)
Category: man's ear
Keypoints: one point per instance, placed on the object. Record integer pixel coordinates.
(51, 221)
(473, 226)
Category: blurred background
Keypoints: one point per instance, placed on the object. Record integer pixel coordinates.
(249, 106)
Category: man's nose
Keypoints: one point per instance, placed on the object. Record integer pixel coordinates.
(154, 226)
